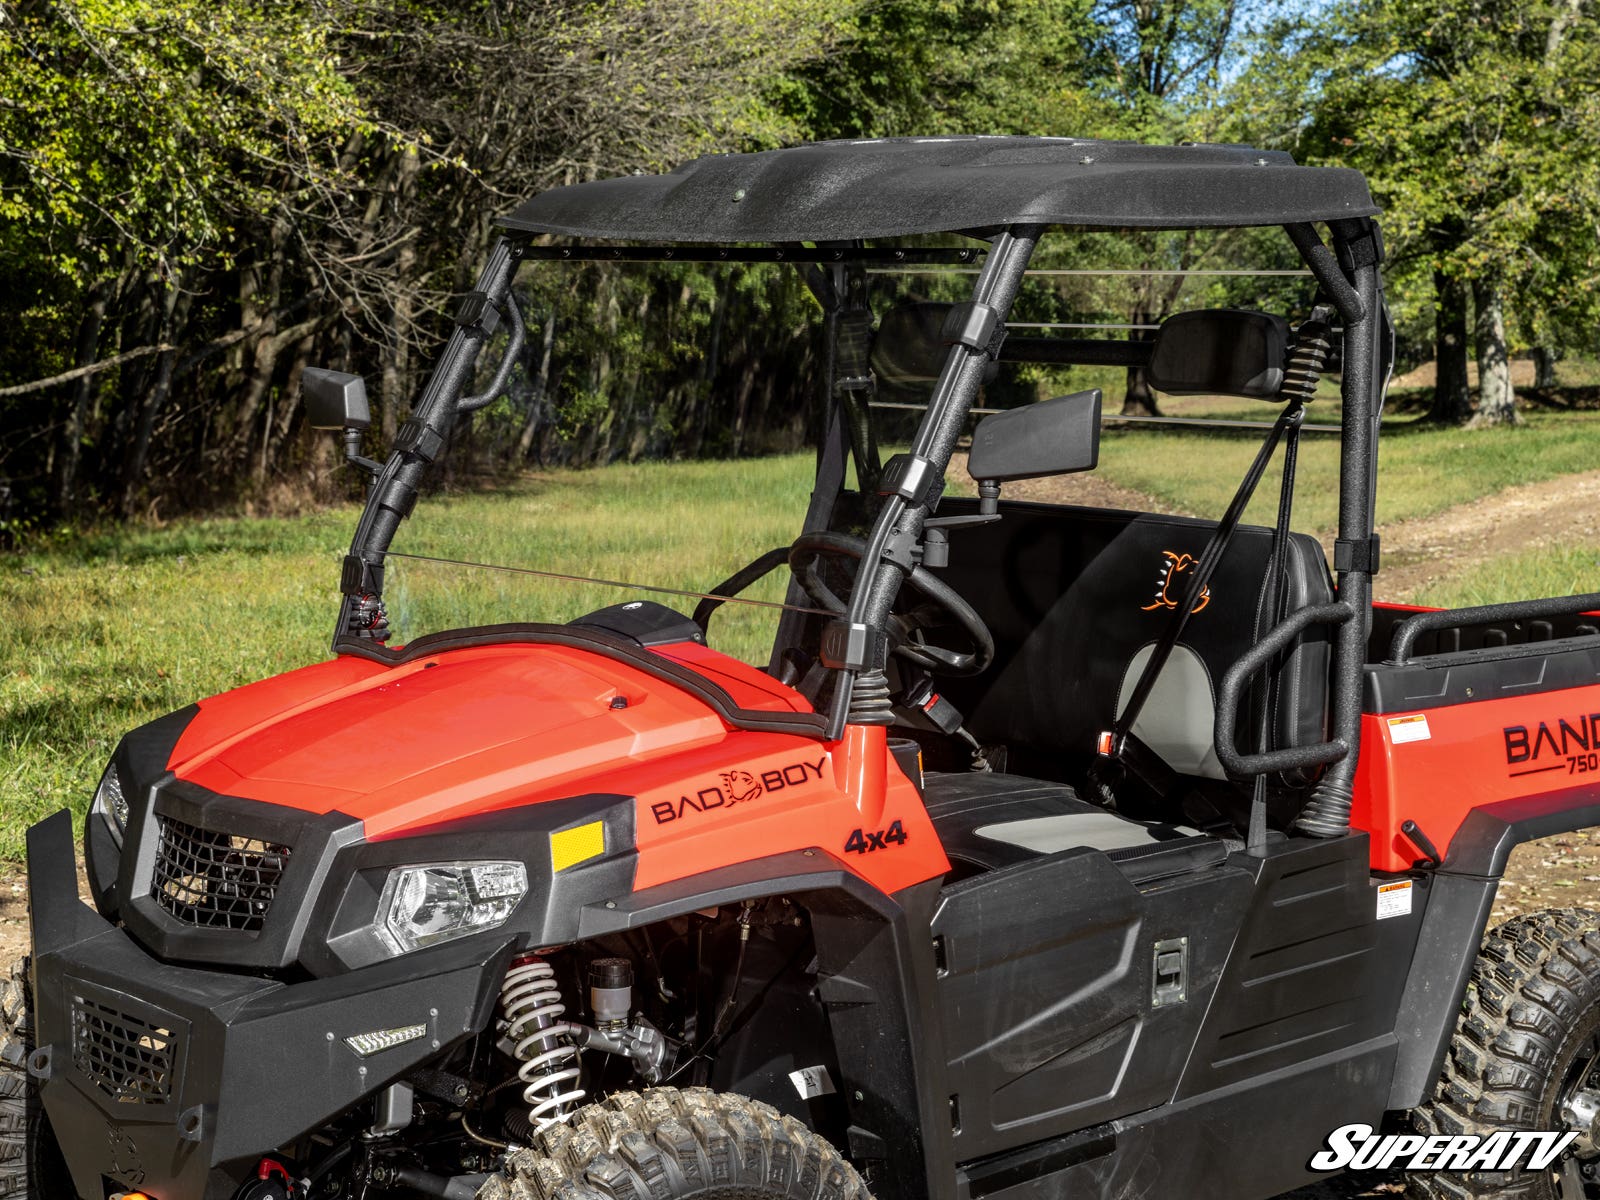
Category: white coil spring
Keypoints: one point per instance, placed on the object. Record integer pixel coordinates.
(533, 1008)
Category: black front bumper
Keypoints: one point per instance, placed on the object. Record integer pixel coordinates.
(176, 1081)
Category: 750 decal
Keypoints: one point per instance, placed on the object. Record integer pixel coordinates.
(737, 787)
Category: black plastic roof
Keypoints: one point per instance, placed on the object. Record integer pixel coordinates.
(835, 191)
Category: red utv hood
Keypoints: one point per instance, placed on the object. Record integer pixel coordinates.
(467, 731)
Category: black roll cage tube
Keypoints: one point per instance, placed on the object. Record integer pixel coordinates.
(1348, 273)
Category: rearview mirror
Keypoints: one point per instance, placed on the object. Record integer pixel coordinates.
(1052, 437)
(334, 399)
(1220, 352)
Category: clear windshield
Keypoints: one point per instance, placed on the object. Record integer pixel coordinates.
(719, 365)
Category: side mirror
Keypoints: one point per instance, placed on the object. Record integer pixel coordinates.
(334, 399)
(1052, 437)
(1220, 352)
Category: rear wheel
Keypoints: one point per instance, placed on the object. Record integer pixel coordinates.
(667, 1144)
(31, 1165)
(1526, 1056)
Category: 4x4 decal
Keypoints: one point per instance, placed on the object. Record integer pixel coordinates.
(862, 842)
(738, 787)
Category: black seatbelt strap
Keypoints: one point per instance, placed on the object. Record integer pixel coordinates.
(1113, 744)
(1273, 606)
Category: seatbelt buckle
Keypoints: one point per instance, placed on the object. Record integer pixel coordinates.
(1105, 745)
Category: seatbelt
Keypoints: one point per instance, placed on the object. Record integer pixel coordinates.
(1272, 609)
(1118, 743)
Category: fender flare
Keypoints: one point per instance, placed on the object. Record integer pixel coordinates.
(1462, 897)
(876, 978)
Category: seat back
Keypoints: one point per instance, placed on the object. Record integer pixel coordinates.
(1077, 598)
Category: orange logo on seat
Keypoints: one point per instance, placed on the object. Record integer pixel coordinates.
(1176, 565)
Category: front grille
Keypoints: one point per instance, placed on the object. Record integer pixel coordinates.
(216, 880)
(129, 1060)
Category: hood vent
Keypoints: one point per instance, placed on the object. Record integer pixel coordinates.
(215, 880)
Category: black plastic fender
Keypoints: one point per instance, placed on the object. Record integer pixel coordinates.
(1458, 913)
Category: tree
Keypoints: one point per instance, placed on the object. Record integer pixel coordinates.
(1474, 120)
(200, 196)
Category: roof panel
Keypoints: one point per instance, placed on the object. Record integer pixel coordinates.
(892, 187)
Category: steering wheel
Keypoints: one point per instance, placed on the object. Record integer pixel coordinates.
(944, 606)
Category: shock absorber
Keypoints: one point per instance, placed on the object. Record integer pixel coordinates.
(542, 1042)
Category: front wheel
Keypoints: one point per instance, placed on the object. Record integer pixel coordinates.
(1525, 1057)
(31, 1166)
(667, 1144)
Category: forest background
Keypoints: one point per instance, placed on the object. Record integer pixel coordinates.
(198, 198)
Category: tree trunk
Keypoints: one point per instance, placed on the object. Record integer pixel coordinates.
(72, 439)
(1139, 400)
(1452, 389)
(1497, 403)
(536, 395)
(174, 309)
(1544, 367)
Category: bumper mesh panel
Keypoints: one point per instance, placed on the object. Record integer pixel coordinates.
(216, 880)
(128, 1059)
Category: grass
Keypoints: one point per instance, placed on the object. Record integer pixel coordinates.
(1558, 571)
(105, 630)
(1422, 469)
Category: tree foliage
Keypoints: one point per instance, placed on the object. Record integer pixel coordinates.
(1476, 124)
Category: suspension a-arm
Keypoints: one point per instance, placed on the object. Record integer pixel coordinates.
(422, 440)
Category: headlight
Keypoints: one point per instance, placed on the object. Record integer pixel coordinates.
(111, 804)
(428, 904)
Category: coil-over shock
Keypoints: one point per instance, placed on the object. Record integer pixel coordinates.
(542, 1042)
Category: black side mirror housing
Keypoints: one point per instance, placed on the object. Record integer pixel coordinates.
(1221, 352)
(334, 399)
(1052, 437)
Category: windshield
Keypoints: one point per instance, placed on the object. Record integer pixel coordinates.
(720, 365)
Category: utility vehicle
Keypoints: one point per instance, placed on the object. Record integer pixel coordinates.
(1056, 851)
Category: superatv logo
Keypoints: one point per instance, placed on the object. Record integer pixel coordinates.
(1354, 1148)
(738, 787)
(1572, 745)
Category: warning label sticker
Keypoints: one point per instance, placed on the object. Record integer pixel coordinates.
(1409, 729)
(812, 1082)
(1394, 899)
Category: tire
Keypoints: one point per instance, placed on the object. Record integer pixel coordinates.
(31, 1165)
(667, 1144)
(1527, 1036)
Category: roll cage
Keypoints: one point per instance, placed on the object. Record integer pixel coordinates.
(823, 205)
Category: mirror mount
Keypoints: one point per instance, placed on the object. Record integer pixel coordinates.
(338, 400)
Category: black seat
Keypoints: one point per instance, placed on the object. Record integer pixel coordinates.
(1076, 598)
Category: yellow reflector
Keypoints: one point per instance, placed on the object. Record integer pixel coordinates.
(573, 846)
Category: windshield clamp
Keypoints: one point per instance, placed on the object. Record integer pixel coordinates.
(976, 325)
(913, 478)
(416, 437)
(478, 312)
(853, 646)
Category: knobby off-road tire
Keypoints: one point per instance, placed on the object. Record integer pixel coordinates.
(31, 1166)
(1532, 1009)
(667, 1144)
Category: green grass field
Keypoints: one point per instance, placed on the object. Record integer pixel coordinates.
(105, 630)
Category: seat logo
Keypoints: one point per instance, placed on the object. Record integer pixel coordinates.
(1167, 583)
